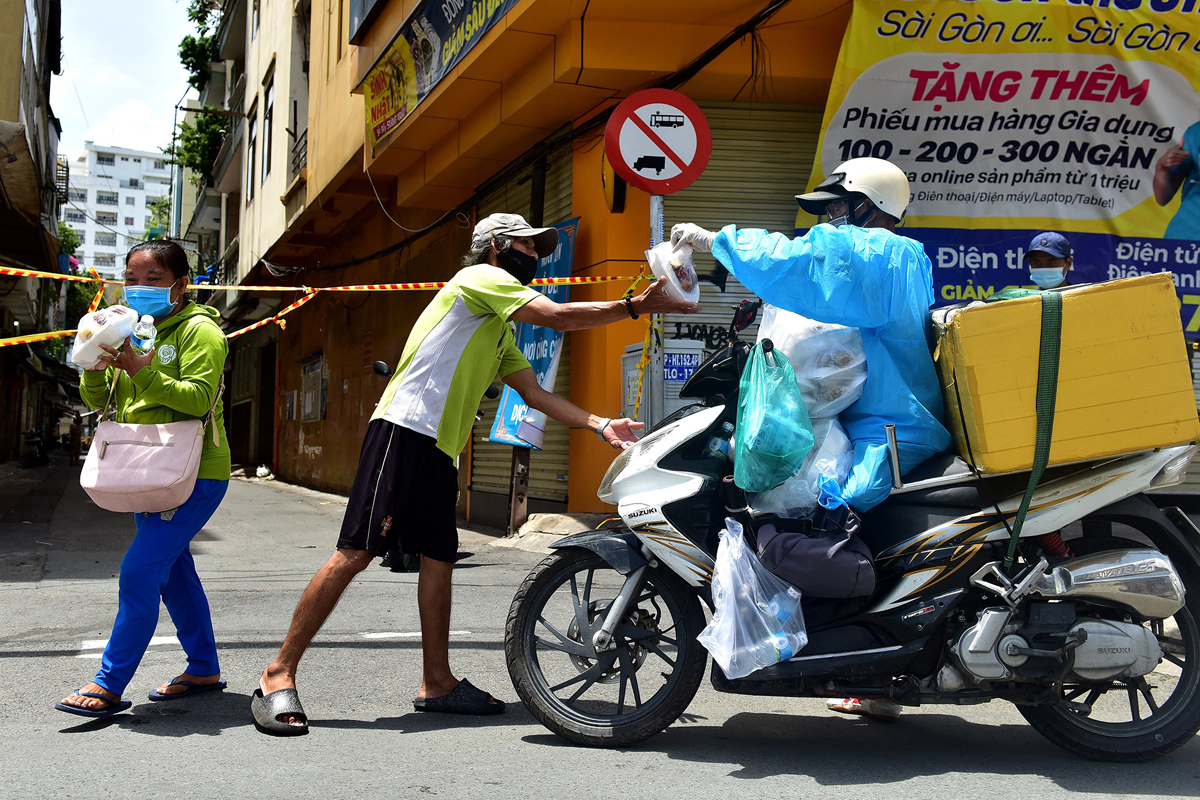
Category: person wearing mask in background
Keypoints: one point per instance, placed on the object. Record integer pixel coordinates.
(406, 487)
(1180, 167)
(179, 379)
(1049, 259)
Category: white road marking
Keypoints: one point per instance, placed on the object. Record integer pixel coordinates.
(100, 644)
(407, 635)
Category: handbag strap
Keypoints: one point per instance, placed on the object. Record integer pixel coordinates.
(111, 391)
(211, 416)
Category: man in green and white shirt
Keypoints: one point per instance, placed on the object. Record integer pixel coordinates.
(406, 488)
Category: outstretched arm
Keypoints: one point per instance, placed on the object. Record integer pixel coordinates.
(580, 316)
(619, 433)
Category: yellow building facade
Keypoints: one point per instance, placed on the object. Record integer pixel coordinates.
(516, 103)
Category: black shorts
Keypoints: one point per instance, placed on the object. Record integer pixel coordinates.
(403, 497)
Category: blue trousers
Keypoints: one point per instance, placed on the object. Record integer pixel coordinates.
(159, 565)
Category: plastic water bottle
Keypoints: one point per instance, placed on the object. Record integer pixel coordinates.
(142, 338)
(719, 443)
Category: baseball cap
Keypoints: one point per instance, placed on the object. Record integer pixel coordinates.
(1050, 242)
(545, 240)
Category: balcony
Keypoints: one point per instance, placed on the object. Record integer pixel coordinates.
(132, 183)
(106, 199)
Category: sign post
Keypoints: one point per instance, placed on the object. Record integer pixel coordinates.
(659, 141)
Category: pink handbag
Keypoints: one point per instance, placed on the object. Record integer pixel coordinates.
(145, 468)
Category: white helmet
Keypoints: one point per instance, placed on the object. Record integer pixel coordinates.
(880, 181)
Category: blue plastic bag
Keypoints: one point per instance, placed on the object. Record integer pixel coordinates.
(774, 433)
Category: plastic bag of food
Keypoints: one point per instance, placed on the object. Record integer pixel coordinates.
(677, 267)
(831, 457)
(108, 326)
(757, 620)
(774, 434)
(829, 360)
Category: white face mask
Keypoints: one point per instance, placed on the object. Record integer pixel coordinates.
(1047, 277)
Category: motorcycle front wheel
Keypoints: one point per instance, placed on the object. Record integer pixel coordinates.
(616, 697)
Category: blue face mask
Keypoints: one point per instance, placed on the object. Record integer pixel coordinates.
(152, 300)
(1047, 277)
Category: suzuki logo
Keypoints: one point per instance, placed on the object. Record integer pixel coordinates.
(641, 512)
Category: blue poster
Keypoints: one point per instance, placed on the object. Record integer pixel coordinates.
(516, 423)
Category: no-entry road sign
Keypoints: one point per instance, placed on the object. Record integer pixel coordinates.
(658, 140)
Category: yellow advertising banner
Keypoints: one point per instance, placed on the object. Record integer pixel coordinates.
(390, 89)
(1012, 117)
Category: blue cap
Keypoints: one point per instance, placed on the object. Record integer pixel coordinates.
(1050, 242)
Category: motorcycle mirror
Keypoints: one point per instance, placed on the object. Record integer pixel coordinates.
(382, 368)
(746, 311)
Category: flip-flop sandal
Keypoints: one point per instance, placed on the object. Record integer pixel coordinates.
(114, 706)
(267, 710)
(193, 688)
(463, 699)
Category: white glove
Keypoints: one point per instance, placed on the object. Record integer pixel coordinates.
(692, 234)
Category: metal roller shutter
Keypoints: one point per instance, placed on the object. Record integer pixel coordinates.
(491, 464)
(761, 159)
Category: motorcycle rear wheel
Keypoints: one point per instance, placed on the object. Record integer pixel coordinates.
(1160, 719)
(614, 698)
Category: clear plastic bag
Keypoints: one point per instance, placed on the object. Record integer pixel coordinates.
(677, 267)
(831, 457)
(108, 326)
(774, 433)
(829, 360)
(757, 620)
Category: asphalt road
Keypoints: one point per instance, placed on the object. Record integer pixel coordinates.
(59, 557)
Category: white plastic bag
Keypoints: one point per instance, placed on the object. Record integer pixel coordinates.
(677, 267)
(832, 456)
(829, 360)
(108, 326)
(757, 621)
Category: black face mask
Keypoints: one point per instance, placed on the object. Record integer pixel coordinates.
(521, 266)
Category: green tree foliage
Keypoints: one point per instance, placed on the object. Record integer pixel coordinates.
(68, 239)
(197, 145)
(201, 12)
(195, 53)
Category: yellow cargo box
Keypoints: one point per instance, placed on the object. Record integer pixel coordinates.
(1124, 382)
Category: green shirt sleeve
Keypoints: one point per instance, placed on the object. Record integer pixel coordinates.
(202, 352)
(94, 387)
(512, 360)
(491, 290)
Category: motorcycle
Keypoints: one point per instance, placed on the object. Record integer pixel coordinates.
(1098, 647)
(35, 449)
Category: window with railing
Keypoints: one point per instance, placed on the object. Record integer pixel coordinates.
(105, 160)
(81, 234)
(132, 183)
(74, 216)
(104, 259)
(299, 154)
(77, 195)
(106, 217)
(105, 239)
(159, 164)
(106, 198)
(131, 200)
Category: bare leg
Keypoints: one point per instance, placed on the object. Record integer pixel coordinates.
(315, 606)
(433, 600)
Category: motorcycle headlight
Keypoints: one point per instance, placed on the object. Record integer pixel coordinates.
(605, 492)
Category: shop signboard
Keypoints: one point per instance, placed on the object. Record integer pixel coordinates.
(516, 423)
(1014, 118)
(431, 42)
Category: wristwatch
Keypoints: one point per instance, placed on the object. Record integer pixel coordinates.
(604, 423)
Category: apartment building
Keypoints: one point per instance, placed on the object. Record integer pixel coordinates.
(109, 199)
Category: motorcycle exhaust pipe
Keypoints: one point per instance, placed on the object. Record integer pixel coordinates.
(1143, 580)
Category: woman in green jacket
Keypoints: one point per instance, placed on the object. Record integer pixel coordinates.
(177, 380)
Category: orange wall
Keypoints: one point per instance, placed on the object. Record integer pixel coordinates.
(608, 244)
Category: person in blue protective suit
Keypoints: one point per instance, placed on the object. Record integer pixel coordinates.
(855, 270)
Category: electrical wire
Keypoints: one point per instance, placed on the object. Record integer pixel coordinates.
(592, 127)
